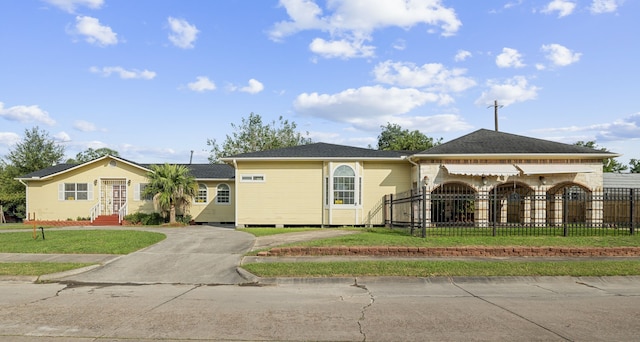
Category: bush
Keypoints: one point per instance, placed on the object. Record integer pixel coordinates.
(184, 219)
(152, 219)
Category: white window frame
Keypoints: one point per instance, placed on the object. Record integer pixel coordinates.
(228, 195)
(202, 196)
(138, 190)
(355, 190)
(62, 191)
(253, 178)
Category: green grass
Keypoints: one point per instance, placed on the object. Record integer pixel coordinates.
(7, 226)
(446, 268)
(78, 241)
(388, 237)
(37, 268)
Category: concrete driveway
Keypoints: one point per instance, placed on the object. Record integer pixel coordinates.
(191, 255)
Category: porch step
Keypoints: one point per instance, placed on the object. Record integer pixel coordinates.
(106, 220)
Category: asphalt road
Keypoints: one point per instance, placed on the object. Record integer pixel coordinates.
(186, 288)
(374, 309)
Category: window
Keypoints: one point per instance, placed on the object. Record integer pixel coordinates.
(223, 195)
(74, 192)
(344, 186)
(139, 194)
(252, 178)
(201, 197)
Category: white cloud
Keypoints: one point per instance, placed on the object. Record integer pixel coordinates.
(509, 58)
(71, 5)
(84, 126)
(462, 55)
(202, 84)
(62, 136)
(399, 44)
(253, 87)
(26, 114)
(183, 34)
(620, 129)
(9, 138)
(563, 7)
(365, 107)
(432, 76)
(94, 32)
(340, 48)
(124, 73)
(560, 55)
(604, 6)
(354, 21)
(516, 89)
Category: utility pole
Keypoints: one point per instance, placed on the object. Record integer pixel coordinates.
(495, 112)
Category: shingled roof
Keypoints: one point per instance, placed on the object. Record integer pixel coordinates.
(484, 141)
(320, 150)
(199, 171)
(209, 171)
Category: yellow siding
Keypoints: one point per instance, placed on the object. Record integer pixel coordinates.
(211, 211)
(290, 195)
(44, 204)
(42, 196)
(380, 179)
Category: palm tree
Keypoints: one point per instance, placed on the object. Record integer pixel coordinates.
(172, 187)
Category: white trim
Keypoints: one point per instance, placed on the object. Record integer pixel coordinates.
(216, 196)
(253, 178)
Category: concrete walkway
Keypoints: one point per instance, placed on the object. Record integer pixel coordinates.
(190, 255)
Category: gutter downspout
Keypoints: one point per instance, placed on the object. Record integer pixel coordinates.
(26, 197)
(418, 167)
(235, 190)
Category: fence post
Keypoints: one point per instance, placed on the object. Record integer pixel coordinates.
(412, 211)
(424, 211)
(495, 213)
(565, 212)
(391, 211)
(632, 206)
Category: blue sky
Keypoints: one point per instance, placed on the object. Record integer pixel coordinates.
(155, 79)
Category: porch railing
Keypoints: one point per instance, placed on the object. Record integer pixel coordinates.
(122, 212)
(95, 211)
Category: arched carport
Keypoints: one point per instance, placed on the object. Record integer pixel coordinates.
(512, 203)
(569, 203)
(453, 204)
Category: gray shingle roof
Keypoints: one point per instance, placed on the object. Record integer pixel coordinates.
(321, 150)
(484, 141)
(208, 171)
(199, 171)
(49, 171)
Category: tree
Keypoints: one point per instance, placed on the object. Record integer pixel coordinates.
(393, 137)
(634, 165)
(252, 135)
(608, 164)
(36, 151)
(91, 154)
(172, 186)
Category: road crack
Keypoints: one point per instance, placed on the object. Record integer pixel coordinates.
(372, 300)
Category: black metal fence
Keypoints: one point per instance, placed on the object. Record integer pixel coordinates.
(515, 210)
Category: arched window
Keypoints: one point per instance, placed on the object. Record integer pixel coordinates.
(201, 197)
(344, 185)
(223, 194)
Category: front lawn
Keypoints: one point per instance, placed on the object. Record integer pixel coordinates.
(389, 237)
(37, 268)
(78, 241)
(446, 268)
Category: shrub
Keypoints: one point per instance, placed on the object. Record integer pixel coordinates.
(145, 219)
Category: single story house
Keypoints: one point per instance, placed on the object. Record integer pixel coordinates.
(323, 184)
